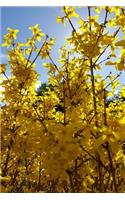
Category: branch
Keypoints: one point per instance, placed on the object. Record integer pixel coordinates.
(69, 20)
(95, 159)
(39, 51)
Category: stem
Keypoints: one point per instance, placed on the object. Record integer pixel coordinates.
(6, 77)
(29, 56)
(100, 174)
(40, 169)
(93, 91)
(117, 31)
(7, 161)
(76, 176)
(68, 81)
(95, 159)
(69, 20)
(112, 169)
(71, 180)
(41, 120)
(89, 13)
(53, 63)
(105, 116)
(39, 51)
(95, 108)
(107, 184)
(64, 99)
(108, 149)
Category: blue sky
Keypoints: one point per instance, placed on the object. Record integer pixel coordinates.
(23, 17)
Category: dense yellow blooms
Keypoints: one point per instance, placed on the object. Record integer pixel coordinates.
(69, 138)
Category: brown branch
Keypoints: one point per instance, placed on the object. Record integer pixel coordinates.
(94, 158)
(39, 174)
(41, 120)
(89, 13)
(64, 99)
(39, 51)
(112, 168)
(53, 63)
(108, 148)
(69, 20)
(117, 31)
(29, 56)
(68, 80)
(107, 183)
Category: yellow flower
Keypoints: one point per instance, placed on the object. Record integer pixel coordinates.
(12, 33)
(9, 37)
(36, 32)
(70, 12)
(60, 20)
(30, 42)
(2, 68)
(120, 65)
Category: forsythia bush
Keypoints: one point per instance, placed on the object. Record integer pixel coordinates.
(80, 147)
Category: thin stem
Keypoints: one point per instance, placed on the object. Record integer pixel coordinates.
(6, 77)
(112, 168)
(108, 148)
(117, 31)
(95, 159)
(39, 51)
(29, 56)
(89, 13)
(39, 175)
(67, 73)
(93, 91)
(53, 63)
(41, 120)
(107, 183)
(105, 116)
(69, 20)
(64, 99)
(71, 180)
